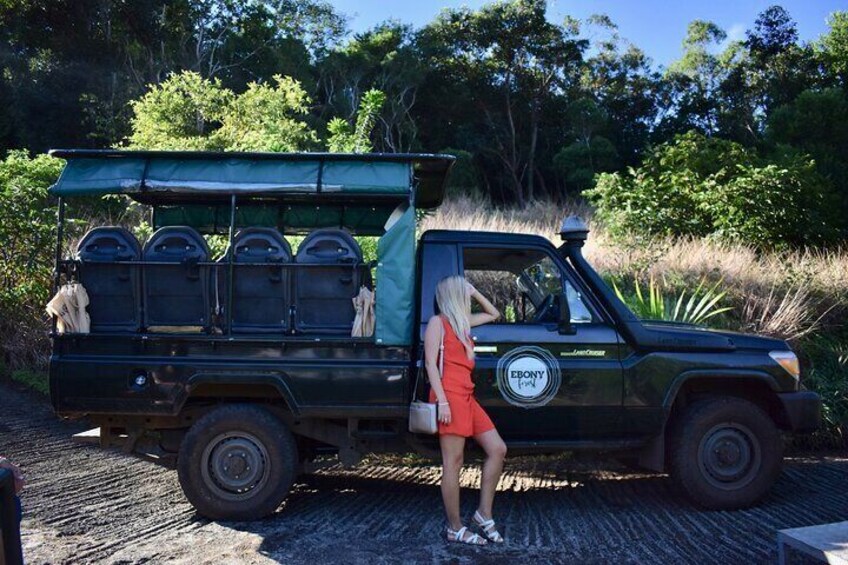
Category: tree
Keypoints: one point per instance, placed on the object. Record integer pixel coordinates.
(183, 112)
(589, 153)
(781, 69)
(344, 139)
(188, 111)
(510, 61)
(384, 58)
(695, 80)
(266, 118)
(815, 123)
(832, 49)
(620, 79)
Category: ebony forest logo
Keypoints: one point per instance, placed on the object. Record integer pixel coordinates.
(528, 376)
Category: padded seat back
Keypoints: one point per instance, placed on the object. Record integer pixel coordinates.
(261, 295)
(114, 290)
(176, 295)
(323, 295)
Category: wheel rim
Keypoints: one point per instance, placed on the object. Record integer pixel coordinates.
(235, 465)
(729, 456)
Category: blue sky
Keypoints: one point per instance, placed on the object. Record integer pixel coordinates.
(658, 27)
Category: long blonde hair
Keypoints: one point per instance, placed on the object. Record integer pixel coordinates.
(455, 304)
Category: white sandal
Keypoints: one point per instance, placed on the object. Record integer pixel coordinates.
(459, 537)
(488, 527)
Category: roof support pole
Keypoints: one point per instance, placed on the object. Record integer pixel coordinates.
(230, 264)
(60, 236)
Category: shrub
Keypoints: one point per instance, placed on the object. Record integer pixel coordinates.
(700, 186)
(27, 220)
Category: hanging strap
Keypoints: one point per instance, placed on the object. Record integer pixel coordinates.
(441, 361)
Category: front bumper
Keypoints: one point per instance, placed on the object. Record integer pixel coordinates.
(802, 409)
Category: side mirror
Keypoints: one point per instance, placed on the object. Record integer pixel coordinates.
(564, 326)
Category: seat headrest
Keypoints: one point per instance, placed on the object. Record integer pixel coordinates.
(329, 245)
(109, 243)
(261, 245)
(176, 243)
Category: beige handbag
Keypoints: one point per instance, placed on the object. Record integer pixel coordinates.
(423, 416)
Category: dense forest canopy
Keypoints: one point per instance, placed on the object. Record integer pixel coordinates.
(532, 107)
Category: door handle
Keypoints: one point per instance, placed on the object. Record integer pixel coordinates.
(394, 378)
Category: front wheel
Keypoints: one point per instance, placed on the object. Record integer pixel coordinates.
(725, 453)
(237, 463)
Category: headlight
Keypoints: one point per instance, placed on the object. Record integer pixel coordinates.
(789, 361)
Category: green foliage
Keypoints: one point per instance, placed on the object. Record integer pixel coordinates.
(816, 122)
(700, 186)
(183, 112)
(833, 46)
(344, 139)
(27, 240)
(189, 112)
(828, 375)
(580, 162)
(36, 380)
(266, 118)
(653, 303)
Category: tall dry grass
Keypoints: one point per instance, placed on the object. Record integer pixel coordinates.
(786, 294)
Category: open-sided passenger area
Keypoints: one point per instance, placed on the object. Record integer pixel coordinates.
(293, 264)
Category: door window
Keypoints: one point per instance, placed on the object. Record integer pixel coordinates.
(524, 284)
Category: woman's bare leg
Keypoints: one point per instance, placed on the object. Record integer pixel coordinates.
(453, 448)
(495, 449)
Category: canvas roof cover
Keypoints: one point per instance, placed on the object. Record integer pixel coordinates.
(192, 176)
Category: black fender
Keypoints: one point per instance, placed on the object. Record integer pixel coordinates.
(652, 456)
(276, 380)
(725, 375)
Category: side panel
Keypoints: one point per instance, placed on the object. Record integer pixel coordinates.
(586, 404)
(97, 374)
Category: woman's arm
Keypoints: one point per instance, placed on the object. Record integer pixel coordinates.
(432, 339)
(489, 314)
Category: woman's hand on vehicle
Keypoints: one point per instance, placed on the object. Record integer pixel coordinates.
(444, 413)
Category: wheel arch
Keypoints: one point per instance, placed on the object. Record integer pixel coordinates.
(757, 387)
(238, 387)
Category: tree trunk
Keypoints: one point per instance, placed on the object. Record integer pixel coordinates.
(531, 158)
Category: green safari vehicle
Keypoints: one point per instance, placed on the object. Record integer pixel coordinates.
(243, 368)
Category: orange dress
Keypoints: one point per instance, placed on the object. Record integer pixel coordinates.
(467, 416)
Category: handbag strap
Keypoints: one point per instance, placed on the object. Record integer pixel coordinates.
(441, 361)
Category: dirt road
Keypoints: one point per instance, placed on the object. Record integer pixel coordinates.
(85, 505)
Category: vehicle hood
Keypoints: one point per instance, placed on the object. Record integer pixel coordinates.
(674, 331)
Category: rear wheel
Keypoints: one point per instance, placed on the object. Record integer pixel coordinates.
(237, 463)
(725, 453)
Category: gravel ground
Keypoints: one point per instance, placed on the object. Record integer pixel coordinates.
(85, 505)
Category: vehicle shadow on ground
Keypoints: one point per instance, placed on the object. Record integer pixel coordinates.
(553, 512)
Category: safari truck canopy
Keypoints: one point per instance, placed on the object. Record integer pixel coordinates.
(218, 193)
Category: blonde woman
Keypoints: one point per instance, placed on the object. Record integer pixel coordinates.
(459, 414)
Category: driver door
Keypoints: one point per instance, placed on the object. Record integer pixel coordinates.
(536, 383)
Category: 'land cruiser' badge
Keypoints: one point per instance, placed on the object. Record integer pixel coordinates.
(528, 376)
